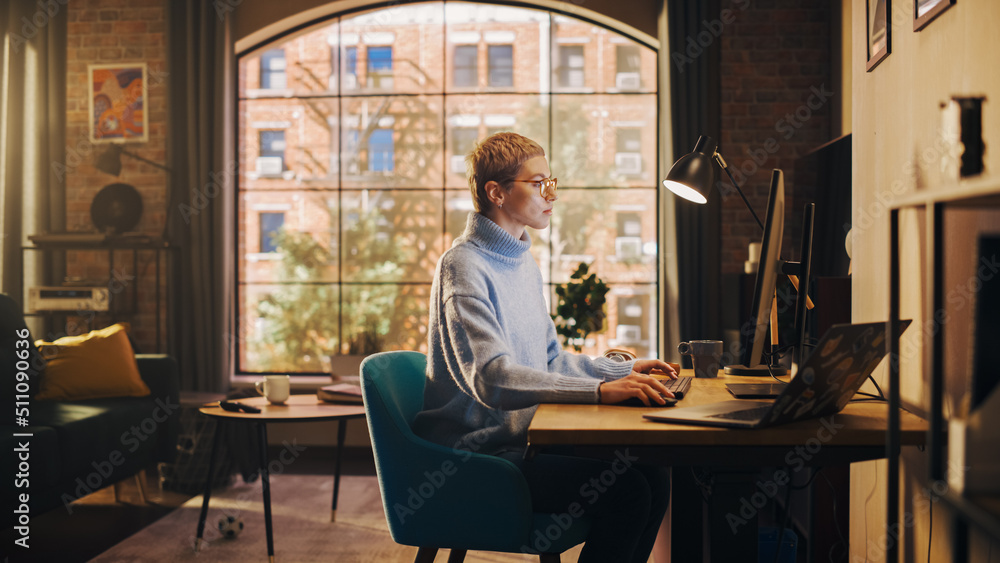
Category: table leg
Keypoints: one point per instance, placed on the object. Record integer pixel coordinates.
(266, 485)
(208, 485)
(341, 435)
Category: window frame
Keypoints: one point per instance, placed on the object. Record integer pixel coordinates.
(507, 81)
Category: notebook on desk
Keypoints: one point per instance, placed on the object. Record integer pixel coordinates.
(841, 362)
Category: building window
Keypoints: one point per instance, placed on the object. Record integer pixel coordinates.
(501, 61)
(380, 67)
(271, 161)
(270, 225)
(466, 66)
(370, 182)
(381, 151)
(571, 66)
(628, 154)
(350, 68)
(272, 70)
(627, 62)
(463, 140)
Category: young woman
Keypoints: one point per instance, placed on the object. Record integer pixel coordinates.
(494, 356)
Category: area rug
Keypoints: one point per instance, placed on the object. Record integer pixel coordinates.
(300, 512)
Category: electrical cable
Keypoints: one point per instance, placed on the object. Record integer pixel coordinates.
(875, 383)
(809, 482)
(930, 530)
(836, 524)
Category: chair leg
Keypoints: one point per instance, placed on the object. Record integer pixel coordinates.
(456, 556)
(426, 555)
(118, 491)
(548, 557)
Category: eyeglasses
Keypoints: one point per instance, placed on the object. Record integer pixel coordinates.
(546, 186)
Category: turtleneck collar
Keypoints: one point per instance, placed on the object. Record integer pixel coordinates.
(489, 236)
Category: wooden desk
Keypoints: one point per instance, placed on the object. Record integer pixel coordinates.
(857, 433)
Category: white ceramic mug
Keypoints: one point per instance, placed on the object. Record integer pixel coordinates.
(275, 388)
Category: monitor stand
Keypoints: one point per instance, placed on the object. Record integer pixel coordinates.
(792, 270)
(774, 369)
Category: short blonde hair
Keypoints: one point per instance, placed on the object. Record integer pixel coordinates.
(498, 158)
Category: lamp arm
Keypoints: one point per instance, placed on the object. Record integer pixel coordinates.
(147, 161)
(725, 168)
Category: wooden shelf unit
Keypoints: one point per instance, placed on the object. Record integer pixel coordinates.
(977, 510)
(162, 259)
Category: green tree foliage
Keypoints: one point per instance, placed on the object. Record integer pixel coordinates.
(299, 317)
(300, 324)
(580, 309)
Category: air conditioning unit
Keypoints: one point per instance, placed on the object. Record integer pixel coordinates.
(270, 165)
(628, 163)
(628, 333)
(458, 164)
(628, 248)
(628, 81)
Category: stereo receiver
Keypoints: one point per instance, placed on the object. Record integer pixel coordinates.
(60, 298)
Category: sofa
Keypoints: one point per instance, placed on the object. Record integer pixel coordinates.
(76, 447)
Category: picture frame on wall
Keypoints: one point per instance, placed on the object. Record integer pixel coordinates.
(926, 10)
(879, 31)
(117, 98)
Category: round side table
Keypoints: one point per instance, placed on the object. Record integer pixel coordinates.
(298, 408)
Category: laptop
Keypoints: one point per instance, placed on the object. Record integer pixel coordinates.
(841, 362)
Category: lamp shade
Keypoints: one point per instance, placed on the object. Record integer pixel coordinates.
(691, 177)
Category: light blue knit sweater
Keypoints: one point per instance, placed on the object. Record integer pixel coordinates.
(493, 351)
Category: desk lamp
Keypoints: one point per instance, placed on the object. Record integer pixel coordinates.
(691, 178)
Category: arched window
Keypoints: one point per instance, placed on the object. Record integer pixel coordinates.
(352, 135)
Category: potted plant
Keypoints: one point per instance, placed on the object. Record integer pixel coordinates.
(580, 307)
(361, 344)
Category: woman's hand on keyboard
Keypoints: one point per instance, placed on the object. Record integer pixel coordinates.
(645, 388)
(648, 366)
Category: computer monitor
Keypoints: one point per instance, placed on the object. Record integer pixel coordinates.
(770, 266)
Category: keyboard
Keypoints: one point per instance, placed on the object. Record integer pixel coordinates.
(748, 414)
(679, 387)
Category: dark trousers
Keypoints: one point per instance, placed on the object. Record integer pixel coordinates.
(625, 501)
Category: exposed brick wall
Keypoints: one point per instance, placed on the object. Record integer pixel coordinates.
(776, 107)
(102, 32)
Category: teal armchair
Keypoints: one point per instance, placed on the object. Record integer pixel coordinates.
(438, 497)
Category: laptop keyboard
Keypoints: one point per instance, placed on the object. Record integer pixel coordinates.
(679, 387)
(748, 414)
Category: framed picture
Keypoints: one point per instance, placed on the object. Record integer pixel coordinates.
(926, 10)
(879, 28)
(117, 103)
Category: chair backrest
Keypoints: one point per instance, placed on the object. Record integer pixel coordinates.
(399, 378)
(434, 495)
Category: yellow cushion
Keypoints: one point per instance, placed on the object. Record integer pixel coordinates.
(98, 364)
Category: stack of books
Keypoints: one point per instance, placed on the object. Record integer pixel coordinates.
(340, 393)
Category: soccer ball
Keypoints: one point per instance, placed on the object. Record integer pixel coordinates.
(230, 526)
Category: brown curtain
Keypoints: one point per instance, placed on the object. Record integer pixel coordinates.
(32, 138)
(201, 220)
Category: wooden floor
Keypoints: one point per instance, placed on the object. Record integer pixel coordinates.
(98, 522)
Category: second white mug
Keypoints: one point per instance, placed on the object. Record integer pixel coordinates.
(275, 388)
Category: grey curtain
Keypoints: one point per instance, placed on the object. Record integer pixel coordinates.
(201, 220)
(32, 137)
(695, 95)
